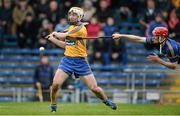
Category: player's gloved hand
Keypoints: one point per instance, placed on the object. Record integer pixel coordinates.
(116, 36)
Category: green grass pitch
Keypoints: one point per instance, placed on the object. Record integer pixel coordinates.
(36, 108)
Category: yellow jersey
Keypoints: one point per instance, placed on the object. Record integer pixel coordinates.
(76, 48)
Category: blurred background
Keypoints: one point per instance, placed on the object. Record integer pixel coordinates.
(120, 67)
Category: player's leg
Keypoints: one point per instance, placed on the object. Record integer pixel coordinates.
(58, 80)
(90, 81)
(82, 69)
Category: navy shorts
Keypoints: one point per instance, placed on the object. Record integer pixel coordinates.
(78, 66)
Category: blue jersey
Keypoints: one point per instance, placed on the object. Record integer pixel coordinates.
(171, 49)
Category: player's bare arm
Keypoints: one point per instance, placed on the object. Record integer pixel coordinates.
(56, 41)
(157, 59)
(59, 35)
(130, 37)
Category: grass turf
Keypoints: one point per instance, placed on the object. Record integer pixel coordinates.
(36, 108)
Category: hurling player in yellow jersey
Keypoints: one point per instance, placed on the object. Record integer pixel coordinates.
(74, 61)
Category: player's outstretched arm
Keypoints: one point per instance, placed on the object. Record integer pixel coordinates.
(129, 37)
(156, 59)
(56, 41)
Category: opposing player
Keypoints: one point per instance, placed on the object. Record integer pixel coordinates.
(74, 61)
(168, 47)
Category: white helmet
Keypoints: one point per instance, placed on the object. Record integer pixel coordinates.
(77, 10)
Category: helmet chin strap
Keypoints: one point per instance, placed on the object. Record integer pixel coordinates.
(75, 22)
(160, 51)
(161, 41)
(72, 23)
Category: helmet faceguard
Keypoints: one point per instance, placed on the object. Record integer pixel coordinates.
(75, 14)
(161, 39)
(161, 33)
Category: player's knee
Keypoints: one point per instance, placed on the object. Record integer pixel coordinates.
(95, 89)
(55, 86)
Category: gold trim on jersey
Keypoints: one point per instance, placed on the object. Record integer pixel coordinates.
(171, 49)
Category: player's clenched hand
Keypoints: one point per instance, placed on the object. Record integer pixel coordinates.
(50, 37)
(116, 36)
(57, 35)
(54, 33)
(154, 58)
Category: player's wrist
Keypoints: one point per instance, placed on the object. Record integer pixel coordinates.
(62, 35)
(160, 61)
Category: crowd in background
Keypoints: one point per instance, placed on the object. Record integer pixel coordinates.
(31, 20)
